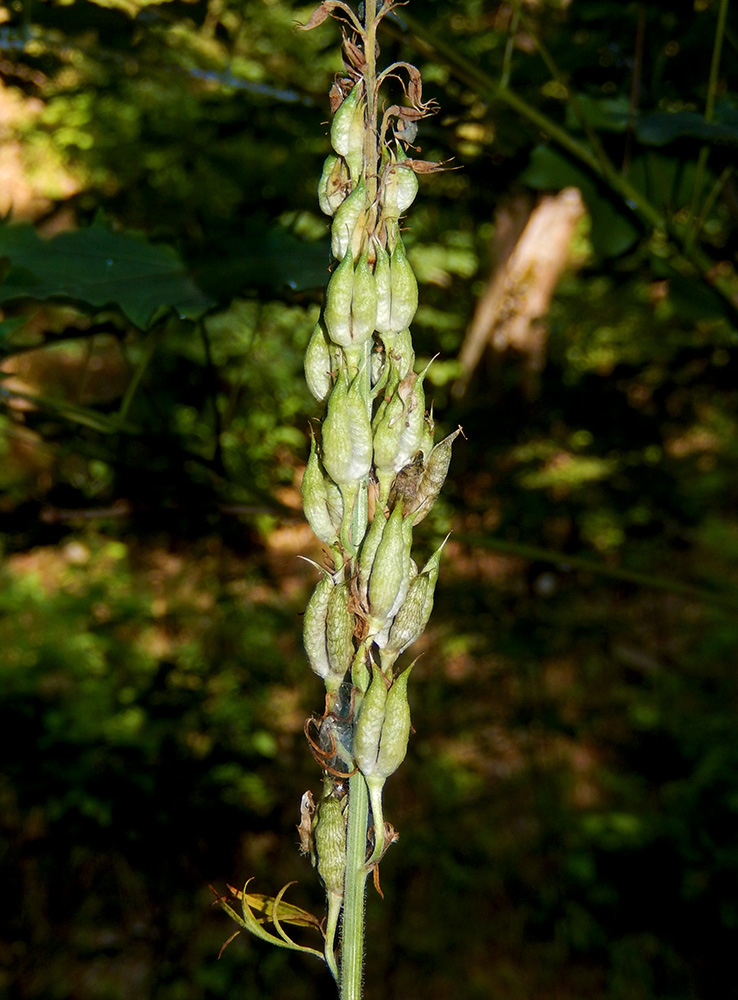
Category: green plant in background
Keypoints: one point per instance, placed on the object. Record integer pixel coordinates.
(373, 475)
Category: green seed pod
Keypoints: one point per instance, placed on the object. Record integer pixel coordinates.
(334, 502)
(318, 364)
(387, 432)
(313, 627)
(339, 632)
(426, 441)
(433, 478)
(346, 220)
(369, 550)
(384, 290)
(412, 618)
(400, 357)
(334, 184)
(389, 569)
(399, 188)
(329, 838)
(343, 121)
(368, 726)
(398, 435)
(396, 728)
(363, 303)
(412, 428)
(338, 295)
(404, 301)
(347, 434)
(347, 131)
(410, 571)
(315, 499)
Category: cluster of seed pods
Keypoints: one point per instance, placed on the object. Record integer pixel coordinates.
(373, 471)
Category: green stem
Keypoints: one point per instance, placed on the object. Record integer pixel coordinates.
(692, 226)
(352, 938)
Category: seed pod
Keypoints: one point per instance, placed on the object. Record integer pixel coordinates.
(400, 355)
(315, 500)
(410, 571)
(398, 434)
(368, 727)
(333, 185)
(412, 618)
(363, 303)
(346, 220)
(318, 364)
(347, 434)
(339, 632)
(404, 302)
(426, 441)
(412, 428)
(388, 570)
(369, 550)
(399, 188)
(433, 478)
(334, 502)
(338, 295)
(343, 120)
(329, 838)
(347, 131)
(387, 431)
(396, 728)
(313, 627)
(384, 290)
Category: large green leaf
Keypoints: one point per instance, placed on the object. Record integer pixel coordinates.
(102, 268)
(661, 128)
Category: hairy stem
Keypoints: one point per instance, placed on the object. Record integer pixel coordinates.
(352, 938)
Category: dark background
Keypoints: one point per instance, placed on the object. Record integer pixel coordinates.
(568, 809)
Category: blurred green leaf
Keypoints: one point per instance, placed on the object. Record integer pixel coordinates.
(100, 267)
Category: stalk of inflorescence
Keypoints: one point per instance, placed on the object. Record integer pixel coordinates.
(373, 474)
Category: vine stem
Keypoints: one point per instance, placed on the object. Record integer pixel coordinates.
(352, 937)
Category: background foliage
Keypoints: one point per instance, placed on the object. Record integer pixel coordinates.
(569, 807)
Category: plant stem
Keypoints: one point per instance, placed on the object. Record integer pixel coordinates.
(352, 938)
(370, 83)
(693, 225)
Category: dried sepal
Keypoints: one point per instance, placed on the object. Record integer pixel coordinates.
(305, 826)
(332, 8)
(276, 911)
